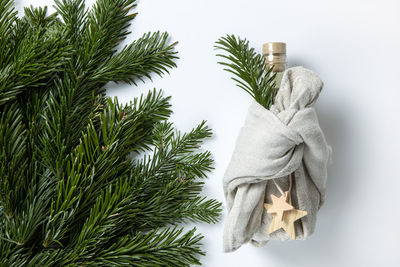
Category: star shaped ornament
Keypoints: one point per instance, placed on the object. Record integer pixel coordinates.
(280, 205)
(286, 221)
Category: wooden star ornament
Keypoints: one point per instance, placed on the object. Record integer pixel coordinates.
(280, 205)
(287, 221)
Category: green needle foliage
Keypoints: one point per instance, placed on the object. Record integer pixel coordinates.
(85, 180)
(248, 68)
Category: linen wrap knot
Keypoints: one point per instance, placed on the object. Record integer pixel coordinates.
(276, 143)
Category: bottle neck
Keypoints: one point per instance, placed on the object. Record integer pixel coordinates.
(278, 79)
(279, 65)
(275, 56)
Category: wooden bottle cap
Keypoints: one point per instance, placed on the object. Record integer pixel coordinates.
(275, 55)
(274, 48)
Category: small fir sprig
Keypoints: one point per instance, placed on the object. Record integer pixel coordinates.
(248, 68)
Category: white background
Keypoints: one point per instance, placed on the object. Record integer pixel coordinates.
(355, 48)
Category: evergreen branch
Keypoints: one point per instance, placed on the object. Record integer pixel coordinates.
(179, 202)
(170, 247)
(107, 25)
(21, 228)
(8, 17)
(66, 114)
(132, 125)
(11, 254)
(13, 160)
(171, 146)
(70, 188)
(169, 176)
(123, 130)
(248, 69)
(148, 211)
(36, 58)
(99, 227)
(73, 13)
(201, 209)
(38, 20)
(149, 54)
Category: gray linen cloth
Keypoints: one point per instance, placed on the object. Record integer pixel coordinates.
(285, 140)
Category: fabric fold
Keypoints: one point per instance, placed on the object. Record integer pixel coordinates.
(274, 144)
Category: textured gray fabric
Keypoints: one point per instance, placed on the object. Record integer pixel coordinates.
(274, 144)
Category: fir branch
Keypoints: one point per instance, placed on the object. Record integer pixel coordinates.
(73, 13)
(149, 54)
(248, 68)
(36, 57)
(100, 224)
(13, 160)
(8, 17)
(170, 178)
(170, 247)
(106, 27)
(11, 254)
(201, 209)
(132, 125)
(171, 147)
